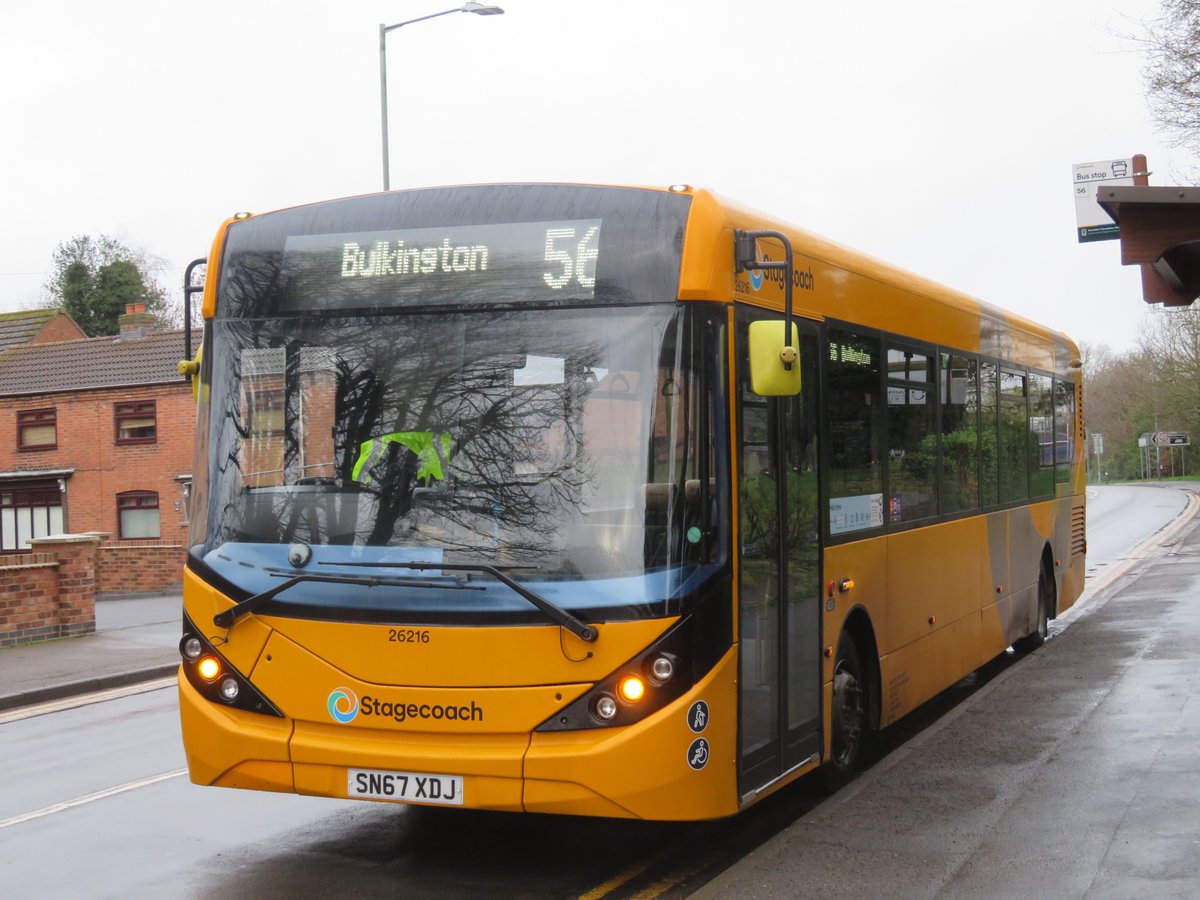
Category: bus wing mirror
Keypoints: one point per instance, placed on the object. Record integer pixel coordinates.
(774, 361)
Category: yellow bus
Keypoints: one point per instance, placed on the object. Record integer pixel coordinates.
(602, 501)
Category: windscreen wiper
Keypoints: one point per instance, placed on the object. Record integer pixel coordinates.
(553, 611)
(228, 617)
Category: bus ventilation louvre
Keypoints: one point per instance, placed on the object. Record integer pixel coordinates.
(1078, 532)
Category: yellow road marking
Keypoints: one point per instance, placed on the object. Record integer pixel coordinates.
(622, 877)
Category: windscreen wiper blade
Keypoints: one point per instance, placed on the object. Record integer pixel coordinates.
(553, 611)
(226, 618)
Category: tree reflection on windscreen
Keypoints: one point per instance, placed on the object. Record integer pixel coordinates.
(562, 439)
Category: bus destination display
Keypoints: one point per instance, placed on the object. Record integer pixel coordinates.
(515, 262)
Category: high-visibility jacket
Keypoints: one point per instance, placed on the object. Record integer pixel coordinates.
(421, 443)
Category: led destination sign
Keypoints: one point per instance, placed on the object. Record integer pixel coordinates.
(523, 261)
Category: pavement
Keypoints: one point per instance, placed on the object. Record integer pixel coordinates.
(136, 639)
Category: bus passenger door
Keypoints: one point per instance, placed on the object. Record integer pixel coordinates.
(779, 679)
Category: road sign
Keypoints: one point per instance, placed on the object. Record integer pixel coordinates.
(1093, 223)
(1171, 439)
(1098, 444)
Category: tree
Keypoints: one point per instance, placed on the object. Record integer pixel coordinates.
(95, 278)
(1153, 387)
(1172, 72)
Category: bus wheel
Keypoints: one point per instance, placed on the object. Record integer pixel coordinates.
(848, 714)
(1035, 639)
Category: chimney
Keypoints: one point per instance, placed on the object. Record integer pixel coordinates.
(136, 322)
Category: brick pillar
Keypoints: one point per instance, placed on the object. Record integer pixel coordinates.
(76, 554)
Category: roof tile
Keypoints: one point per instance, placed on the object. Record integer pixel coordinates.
(92, 363)
(21, 327)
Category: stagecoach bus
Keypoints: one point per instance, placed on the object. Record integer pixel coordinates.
(602, 501)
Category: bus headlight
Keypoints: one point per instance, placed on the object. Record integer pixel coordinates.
(605, 707)
(658, 675)
(632, 689)
(209, 668)
(229, 690)
(215, 678)
(662, 668)
(191, 648)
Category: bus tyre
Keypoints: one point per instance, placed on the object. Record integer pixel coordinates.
(847, 715)
(1036, 638)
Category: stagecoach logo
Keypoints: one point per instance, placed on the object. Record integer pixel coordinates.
(343, 705)
(802, 280)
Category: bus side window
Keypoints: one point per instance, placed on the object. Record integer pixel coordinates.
(1014, 436)
(1041, 436)
(912, 435)
(1064, 430)
(989, 457)
(854, 411)
(958, 387)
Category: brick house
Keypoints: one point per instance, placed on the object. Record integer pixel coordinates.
(96, 435)
(37, 326)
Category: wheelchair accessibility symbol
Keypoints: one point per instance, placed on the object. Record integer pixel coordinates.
(697, 756)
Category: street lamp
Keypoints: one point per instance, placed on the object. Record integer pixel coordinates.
(479, 9)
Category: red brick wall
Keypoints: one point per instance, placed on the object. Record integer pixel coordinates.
(29, 599)
(49, 593)
(76, 582)
(52, 593)
(138, 567)
(86, 442)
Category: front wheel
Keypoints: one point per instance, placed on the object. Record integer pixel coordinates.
(848, 714)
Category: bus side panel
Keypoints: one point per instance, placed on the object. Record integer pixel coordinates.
(936, 577)
(864, 563)
(1071, 561)
(924, 668)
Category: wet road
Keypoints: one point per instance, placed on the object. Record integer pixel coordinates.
(1119, 517)
(94, 803)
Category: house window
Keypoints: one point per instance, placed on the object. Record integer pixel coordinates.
(31, 510)
(137, 423)
(137, 515)
(37, 429)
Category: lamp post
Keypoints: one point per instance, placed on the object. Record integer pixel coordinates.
(478, 9)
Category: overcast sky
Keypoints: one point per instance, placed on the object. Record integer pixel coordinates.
(936, 135)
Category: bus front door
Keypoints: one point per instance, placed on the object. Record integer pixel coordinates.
(779, 679)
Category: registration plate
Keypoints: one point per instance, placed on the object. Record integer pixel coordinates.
(411, 787)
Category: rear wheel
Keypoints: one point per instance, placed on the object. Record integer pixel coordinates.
(1046, 594)
(848, 714)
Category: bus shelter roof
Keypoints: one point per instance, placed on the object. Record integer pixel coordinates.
(1160, 231)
